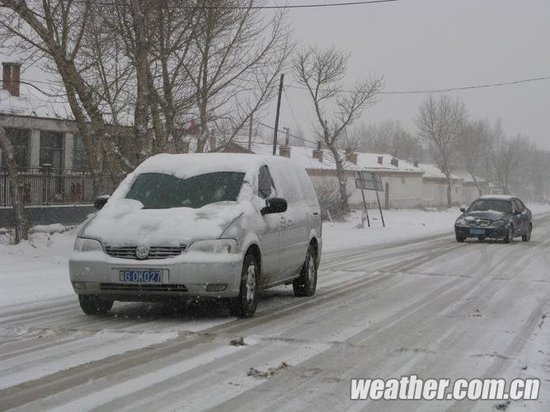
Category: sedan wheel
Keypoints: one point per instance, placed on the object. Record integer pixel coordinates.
(527, 236)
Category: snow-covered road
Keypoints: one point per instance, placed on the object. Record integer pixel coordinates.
(431, 307)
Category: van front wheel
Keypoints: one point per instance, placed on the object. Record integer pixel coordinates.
(306, 284)
(244, 306)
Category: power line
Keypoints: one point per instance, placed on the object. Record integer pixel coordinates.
(291, 135)
(479, 86)
(273, 7)
(304, 6)
(449, 89)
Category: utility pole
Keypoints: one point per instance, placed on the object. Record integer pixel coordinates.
(277, 114)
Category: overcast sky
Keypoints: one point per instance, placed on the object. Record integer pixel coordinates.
(433, 44)
(436, 44)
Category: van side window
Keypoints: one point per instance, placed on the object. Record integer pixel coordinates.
(265, 183)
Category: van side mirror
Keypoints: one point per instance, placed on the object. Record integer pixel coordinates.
(101, 201)
(463, 209)
(274, 205)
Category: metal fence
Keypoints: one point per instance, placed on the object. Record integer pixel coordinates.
(47, 186)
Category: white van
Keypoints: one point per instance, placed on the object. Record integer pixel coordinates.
(218, 225)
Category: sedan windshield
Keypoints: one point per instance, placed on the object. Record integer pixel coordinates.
(162, 191)
(498, 205)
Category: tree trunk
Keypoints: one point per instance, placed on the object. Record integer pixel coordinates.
(21, 225)
(449, 191)
(478, 186)
(342, 180)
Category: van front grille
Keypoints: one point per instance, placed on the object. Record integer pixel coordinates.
(133, 287)
(155, 252)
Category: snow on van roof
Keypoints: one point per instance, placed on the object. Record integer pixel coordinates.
(186, 165)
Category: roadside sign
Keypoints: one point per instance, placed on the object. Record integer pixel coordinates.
(369, 181)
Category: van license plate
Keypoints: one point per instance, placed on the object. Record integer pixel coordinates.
(140, 276)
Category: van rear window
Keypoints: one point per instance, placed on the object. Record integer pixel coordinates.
(163, 191)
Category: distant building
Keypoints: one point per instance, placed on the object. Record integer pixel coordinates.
(48, 150)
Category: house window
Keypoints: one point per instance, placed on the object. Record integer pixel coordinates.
(80, 162)
(51, 149)
(19, 140)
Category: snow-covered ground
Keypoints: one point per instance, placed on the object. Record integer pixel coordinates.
(401, 225)
(420, 304)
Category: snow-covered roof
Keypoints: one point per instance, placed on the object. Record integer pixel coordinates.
(432, 171)
(467, 177)
(368, 161)
(304, 156)
(32, 103)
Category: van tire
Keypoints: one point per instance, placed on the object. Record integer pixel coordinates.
(244, 306)
(94, 305)
(306, 283)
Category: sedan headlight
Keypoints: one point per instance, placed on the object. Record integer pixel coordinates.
(214, 246)
(460, 221)
(497, 223)
(83, 244)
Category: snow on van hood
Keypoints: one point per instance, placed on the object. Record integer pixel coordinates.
(124, 222)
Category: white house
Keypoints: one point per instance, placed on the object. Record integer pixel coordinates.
(402, 181)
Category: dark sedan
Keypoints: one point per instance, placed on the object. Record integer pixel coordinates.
(495, 217)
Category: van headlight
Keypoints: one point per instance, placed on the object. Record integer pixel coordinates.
(83, 244)
(214, 246)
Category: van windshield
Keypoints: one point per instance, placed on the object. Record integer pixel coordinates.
(162, 191)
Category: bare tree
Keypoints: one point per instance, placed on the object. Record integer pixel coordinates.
(321, 73)
(54, 31)
(386, 137)
(154, 65)
(474, 147)
(16, 193)
(236, 56)
(506, 158)
(440, 123)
